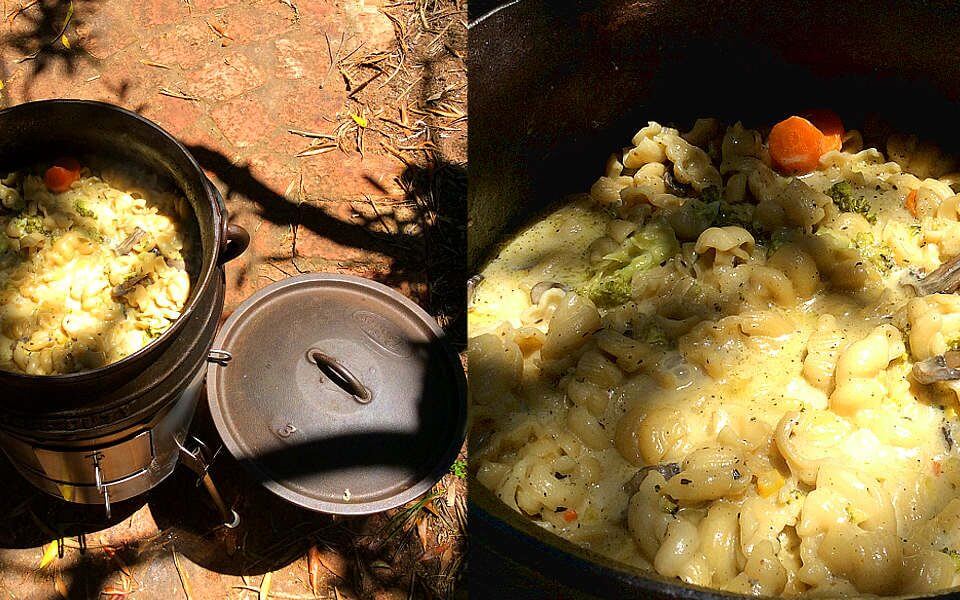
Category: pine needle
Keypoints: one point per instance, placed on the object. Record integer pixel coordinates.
(315, 149)
(312, 134)
(264, 592)
(151, 63)
(176, 94)
(184, 580)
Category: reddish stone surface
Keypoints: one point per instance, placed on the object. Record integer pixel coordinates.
(252, 70)
(225, 77)
(302, 56)
(184, 45)
(243, 121)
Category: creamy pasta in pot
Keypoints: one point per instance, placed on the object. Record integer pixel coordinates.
(93, 265)
(736, 362)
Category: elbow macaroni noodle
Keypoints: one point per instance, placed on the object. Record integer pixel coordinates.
(73, 296)
(730, 404)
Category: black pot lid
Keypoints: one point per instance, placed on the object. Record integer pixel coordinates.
(339, 395)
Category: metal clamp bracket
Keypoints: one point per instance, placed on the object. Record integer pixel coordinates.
(198, 459)
(98, 478)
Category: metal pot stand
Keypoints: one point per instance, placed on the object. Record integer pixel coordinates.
(346, 380)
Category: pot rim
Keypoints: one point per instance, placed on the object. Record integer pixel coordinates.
(203, 280)
(581, 569)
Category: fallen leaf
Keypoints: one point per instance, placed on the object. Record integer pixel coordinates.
(49, 554)
(360, 120)
(314, 563)
(422, 531)
(65, 41)
(451, 495)
(60, 585)
(218, 30)
(445, 557)
(334, 563)
(435, 551)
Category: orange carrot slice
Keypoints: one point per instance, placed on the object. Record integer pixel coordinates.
(795, 145)
(830, 125)
(569, 515)
(911, 203)
(62, 174)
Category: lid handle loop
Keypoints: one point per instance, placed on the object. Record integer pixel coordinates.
(340, 375)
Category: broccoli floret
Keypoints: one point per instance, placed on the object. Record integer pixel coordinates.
(715, 212)
(645, 249)
(954, 555)
(707, 212)
(154, 330)
(710, 194)
(29, 223)
(778, 238)
(91, 234)
(846, 201)
(610, 290)
(740, 215)
(953, 343)
(82, 210)
(871, 250)
(652, 333)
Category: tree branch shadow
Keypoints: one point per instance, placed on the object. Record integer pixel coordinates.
(36, 36)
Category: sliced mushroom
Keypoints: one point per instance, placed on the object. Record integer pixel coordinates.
(944, 280)
(132, 240)
(537, 291)
(681, 190)
(945, 367)
(472, 284)
(668, 470)
(175, 263)
(129, 284)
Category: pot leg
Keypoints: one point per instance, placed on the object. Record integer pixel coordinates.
(195, 460)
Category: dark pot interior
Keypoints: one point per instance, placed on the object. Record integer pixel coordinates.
(555, 88)
(71, 403)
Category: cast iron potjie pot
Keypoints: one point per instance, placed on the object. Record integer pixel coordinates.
(117, 427)
(556, 86)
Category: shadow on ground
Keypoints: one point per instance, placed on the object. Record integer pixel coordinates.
(438, 189)
(35, 37)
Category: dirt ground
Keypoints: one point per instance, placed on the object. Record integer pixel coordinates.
(336, 131)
